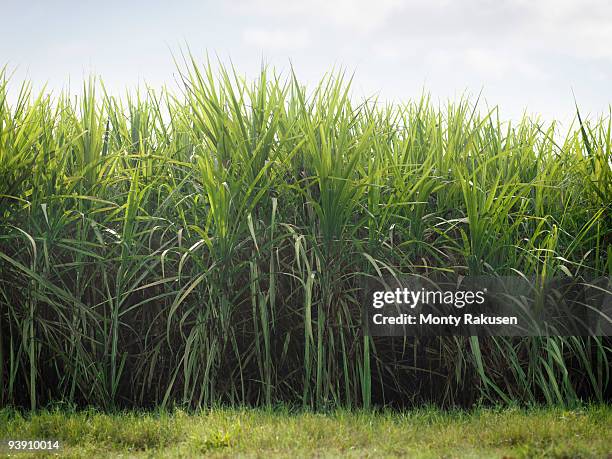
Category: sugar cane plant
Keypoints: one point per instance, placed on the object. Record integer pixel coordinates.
(209, 245)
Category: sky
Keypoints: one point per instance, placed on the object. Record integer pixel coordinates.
(524, 55)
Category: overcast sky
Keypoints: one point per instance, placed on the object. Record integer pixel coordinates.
(523, 54)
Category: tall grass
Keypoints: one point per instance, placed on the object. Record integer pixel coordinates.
(210, 246)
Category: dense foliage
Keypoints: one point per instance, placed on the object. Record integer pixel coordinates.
(209, 246)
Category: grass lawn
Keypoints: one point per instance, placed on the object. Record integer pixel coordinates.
(541, 432)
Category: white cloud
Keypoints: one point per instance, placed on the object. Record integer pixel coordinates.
(358, 15)
(491, 64)
(277, 39)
